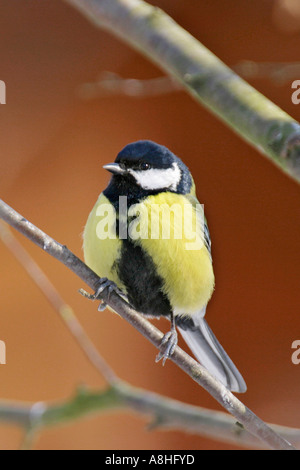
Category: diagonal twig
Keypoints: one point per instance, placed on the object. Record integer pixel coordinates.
(165, 413)
(198, 373)
(251, 115)
(65, 311)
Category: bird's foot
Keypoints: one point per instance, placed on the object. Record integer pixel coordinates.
(167, 346)
(103, 284)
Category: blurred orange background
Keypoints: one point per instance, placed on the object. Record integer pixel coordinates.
(53, 145)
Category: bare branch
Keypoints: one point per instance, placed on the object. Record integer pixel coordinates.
(198, 373)
(255, 118)
(164, 412)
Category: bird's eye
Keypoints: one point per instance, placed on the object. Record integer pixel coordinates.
(145, 166)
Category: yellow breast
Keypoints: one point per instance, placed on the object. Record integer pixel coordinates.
(175, 243)
(101, 244)
(170, 229)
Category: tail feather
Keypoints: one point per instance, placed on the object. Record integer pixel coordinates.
(209, 352)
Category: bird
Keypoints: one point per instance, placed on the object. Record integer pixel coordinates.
(147, 238)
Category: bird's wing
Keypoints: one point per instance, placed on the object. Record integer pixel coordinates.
(200, 211)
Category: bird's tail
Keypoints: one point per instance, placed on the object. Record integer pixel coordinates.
(209, 352)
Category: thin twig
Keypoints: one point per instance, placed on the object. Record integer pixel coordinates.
(65, 312)
(111, 83)
(164, 413)
(278, 72)
(198, 373)
(255, 118)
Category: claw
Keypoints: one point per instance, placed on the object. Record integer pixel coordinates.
(102, 306)
(103, 284)
(167, 345)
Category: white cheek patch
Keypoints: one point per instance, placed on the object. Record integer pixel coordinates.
(158, 178)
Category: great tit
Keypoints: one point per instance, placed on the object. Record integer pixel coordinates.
(148, 236)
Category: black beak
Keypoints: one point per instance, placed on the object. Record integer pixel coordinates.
(114, 168)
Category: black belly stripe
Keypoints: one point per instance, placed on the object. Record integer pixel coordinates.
(135, 267)
(137, 272)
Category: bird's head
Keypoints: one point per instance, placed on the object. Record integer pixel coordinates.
(151, 168)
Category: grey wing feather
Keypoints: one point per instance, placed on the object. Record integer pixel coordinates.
(200, 211)
(207, 239)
